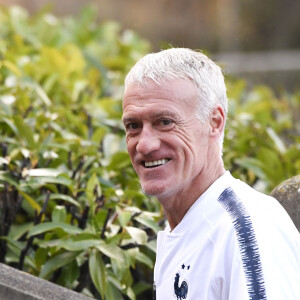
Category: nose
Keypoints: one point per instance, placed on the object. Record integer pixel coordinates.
(148, 141)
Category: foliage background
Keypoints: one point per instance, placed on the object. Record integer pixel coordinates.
(71, 207)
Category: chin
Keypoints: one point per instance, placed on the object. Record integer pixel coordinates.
(152, 190)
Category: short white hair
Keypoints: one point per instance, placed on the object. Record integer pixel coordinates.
(183, 63)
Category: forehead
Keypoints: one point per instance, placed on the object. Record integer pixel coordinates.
(174, 94)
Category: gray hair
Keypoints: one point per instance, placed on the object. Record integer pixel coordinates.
(182, 63)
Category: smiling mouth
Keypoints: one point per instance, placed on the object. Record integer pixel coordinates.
(156, 163)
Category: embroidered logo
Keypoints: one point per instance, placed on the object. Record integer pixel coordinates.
(181, 290)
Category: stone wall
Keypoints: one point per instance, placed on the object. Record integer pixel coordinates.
(288, 194)
(17, 285)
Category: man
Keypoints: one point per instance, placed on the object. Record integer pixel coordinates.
(224, 240)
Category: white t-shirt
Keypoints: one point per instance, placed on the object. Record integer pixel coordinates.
(234, 243)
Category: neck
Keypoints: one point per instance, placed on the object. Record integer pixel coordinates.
(176, 206)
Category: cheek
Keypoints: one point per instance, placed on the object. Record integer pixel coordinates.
(130, 147)
(194, 145)
(188, 141)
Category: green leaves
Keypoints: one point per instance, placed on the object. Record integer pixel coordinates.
(61, 134)
(93, 189)
(47, 226)
(64, 198)
(74, 197)
(261, 135)
(31, 201)
(43, 172)
(138, 235)
(111, 251)
(57, 262)
(59, 214)
(77, 245)
(97, 271)
(64, 169)
(24, 131)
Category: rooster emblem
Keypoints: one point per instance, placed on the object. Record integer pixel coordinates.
(182, 290)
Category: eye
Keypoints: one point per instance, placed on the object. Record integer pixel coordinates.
(132, 126)
(165, 123)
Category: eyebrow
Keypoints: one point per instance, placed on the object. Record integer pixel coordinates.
(128, 119)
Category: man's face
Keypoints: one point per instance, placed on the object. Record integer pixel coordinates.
(166, 142)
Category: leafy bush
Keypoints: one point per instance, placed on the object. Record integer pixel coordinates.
(262, 142)
(71, 206)
(71, 209)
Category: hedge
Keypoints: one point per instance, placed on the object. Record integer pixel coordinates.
(71, 207)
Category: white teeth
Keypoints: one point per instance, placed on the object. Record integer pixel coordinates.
(156, 162)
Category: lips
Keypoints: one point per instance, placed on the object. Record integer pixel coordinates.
(155, 163)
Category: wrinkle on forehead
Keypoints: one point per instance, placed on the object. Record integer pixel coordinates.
(167, 99)
(164, 88)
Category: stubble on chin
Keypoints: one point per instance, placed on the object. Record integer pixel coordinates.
(149, 190)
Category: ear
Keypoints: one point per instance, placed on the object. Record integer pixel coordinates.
(217, 121)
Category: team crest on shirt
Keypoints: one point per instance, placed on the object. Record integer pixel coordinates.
(181, 287)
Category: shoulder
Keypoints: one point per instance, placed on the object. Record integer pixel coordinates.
(266, 236)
